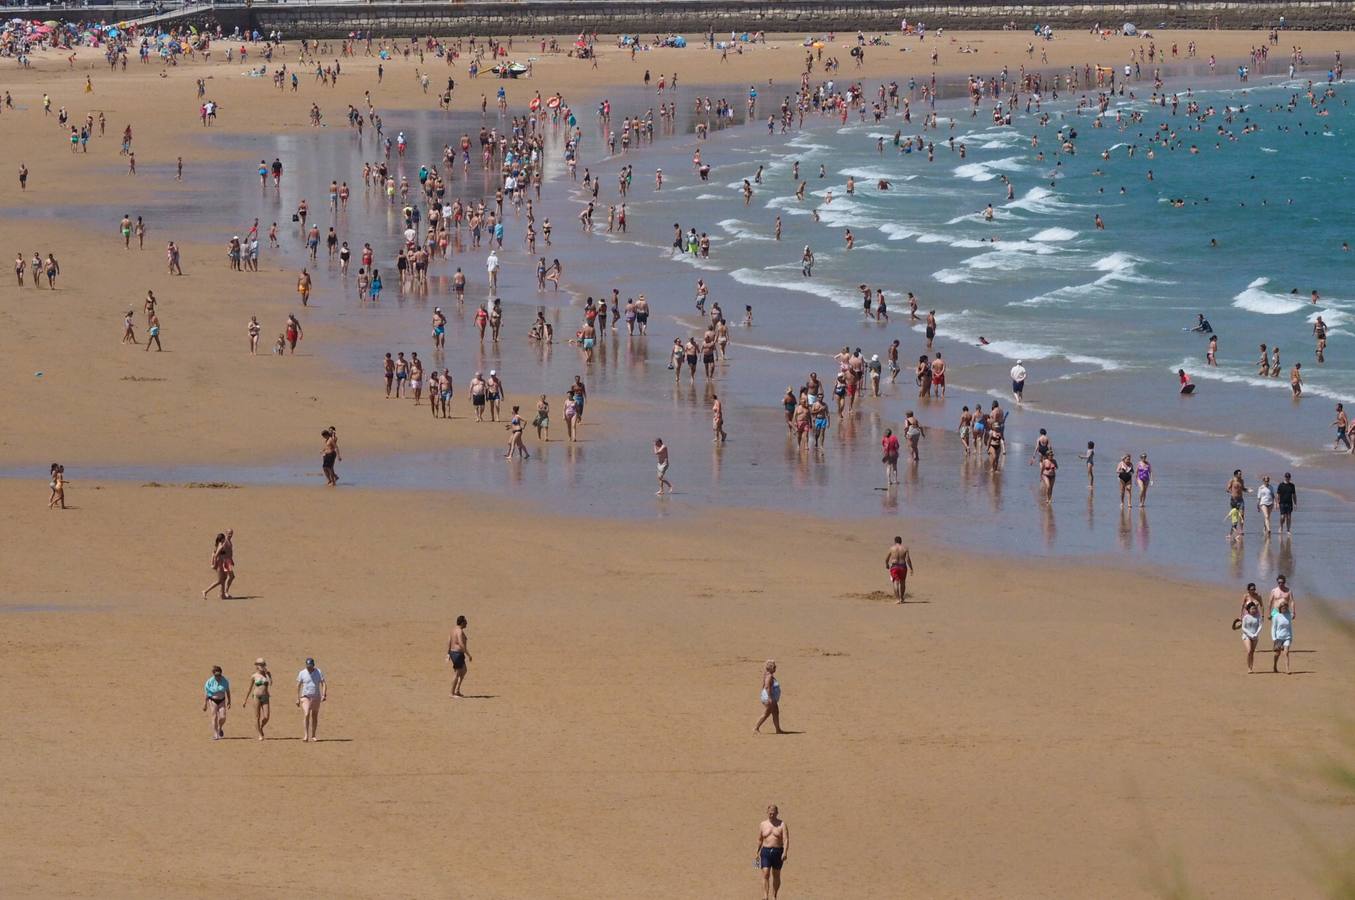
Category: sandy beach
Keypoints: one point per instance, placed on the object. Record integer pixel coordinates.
(1021, 727)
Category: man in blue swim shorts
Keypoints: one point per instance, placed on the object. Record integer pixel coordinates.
(773, 848)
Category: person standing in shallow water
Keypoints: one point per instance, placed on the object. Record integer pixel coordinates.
(331, 455)
(661, 461)
(770, 697)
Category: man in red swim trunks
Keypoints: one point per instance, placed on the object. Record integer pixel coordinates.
(938, 376)
(899, 564)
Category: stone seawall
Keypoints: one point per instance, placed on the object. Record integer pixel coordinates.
(694, 17)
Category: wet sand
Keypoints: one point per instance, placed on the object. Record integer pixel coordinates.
(610, 751)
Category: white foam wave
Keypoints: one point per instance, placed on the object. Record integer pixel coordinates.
(1054, 234)
(1119, 268)
(896, 232)
(694, 261)
(931, 237)
(871, 175)
(741, 230)
(1258, 300)
(951, 326)
(989, 169)
(1041, 201)
(779, 350)
(757, 278)
(951, 276)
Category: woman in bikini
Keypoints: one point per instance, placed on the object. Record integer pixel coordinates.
(57, 486)
(912, 430)
(259, 685)
(515, 428)
(221, 565)
(1049, 470)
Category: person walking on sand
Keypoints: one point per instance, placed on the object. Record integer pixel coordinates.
(216, 693)
(223, 564)
(153, 334)
(331, 455)
(57, 486)
(1282, 614)
(1250, 622)
(661, 458)
(259, 684)
(311, 691)
(773, 849)
(458, 654)
(898, 562)
(771, 698)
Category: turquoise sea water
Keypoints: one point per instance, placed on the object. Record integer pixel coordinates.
(1099, 317)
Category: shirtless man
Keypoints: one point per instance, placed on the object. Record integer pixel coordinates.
(717, 416)
(938, 375)
(331, 455)
(773, 848)
(899, 563)
(458, 654)
(661, 460)
(1236, 487)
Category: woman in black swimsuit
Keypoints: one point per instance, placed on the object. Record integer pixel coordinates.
(1125, 472)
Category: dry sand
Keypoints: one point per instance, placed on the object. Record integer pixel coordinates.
(1030, 729)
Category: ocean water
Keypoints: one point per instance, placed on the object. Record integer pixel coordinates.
(1099, 318)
